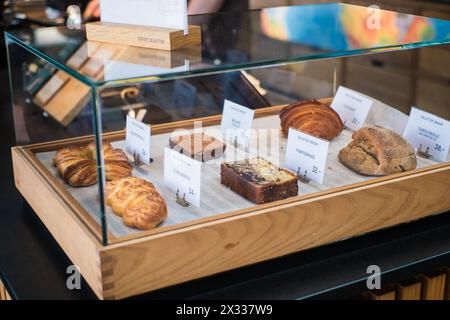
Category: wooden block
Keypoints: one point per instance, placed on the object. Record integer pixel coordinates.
(382, 294)
(2, 292)
(447, 283)
(409, 289)
(80, 56)
(68, 102)
(4, 295)
(433, 286)
(142, 36)
(151, 57)
(49, 90)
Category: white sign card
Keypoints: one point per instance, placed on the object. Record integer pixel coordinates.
(428, 133)
(182, 175)
(237, 122)
(306, 155)
(138, 135)
(353, 107)
(151, 13)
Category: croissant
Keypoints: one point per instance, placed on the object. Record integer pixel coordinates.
(312, 117)
(78, 165)
(137, 201)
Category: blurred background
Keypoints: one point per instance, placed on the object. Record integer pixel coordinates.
(401, 79)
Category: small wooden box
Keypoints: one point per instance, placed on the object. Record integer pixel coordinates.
(143, 36)
(170, 255)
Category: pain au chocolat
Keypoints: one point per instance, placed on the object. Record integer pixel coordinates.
(312, 117)
(78, 165)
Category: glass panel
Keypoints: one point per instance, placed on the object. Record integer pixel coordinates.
(241, 40)
(61, 98)
(393, 79)
(55, 123)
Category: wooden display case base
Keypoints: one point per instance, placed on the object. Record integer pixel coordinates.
(173, 255)
(144, 37)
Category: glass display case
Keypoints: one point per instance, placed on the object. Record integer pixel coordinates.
(288, 128)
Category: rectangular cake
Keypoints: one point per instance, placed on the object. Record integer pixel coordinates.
(198, 146)
(259, 180)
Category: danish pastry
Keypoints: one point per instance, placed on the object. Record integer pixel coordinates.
(137, 201)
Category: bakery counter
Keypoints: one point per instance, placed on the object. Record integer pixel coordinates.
(335, 271)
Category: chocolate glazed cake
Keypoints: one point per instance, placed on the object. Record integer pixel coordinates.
(259, 181)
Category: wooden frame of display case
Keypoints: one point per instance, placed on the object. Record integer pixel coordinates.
(175, 254)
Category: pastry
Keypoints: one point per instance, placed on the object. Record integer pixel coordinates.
(377, 151)
(312, 117)
(145, 211)
(258, 180)
(198, 146)
(137, 201)
(78, 165)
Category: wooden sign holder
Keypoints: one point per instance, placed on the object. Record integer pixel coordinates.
(143, 36)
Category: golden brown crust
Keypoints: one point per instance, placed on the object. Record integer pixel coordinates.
(146, 211)
(78, 166)
(137, 201)
(312, 117)
(378, 151)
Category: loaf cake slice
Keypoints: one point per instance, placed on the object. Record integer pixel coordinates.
(258, 180)
(198, 146)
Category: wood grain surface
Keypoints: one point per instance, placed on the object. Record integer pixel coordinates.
(65, 226)
(433, 286)
(409, 289)
(154, 262)
(143, 36)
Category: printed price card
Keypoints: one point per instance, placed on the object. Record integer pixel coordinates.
(352, 107)
(182, 175)
(138, 135)
(306, 155)
(156, 13)
(237, 122)
(429, 134)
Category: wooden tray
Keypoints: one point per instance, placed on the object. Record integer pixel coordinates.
(174, 254)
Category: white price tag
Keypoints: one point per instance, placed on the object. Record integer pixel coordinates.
(353, 107)
(428, 133)
(138, 135)
(182, 175)
(156, 13)
(306, 155)
(237, 122)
